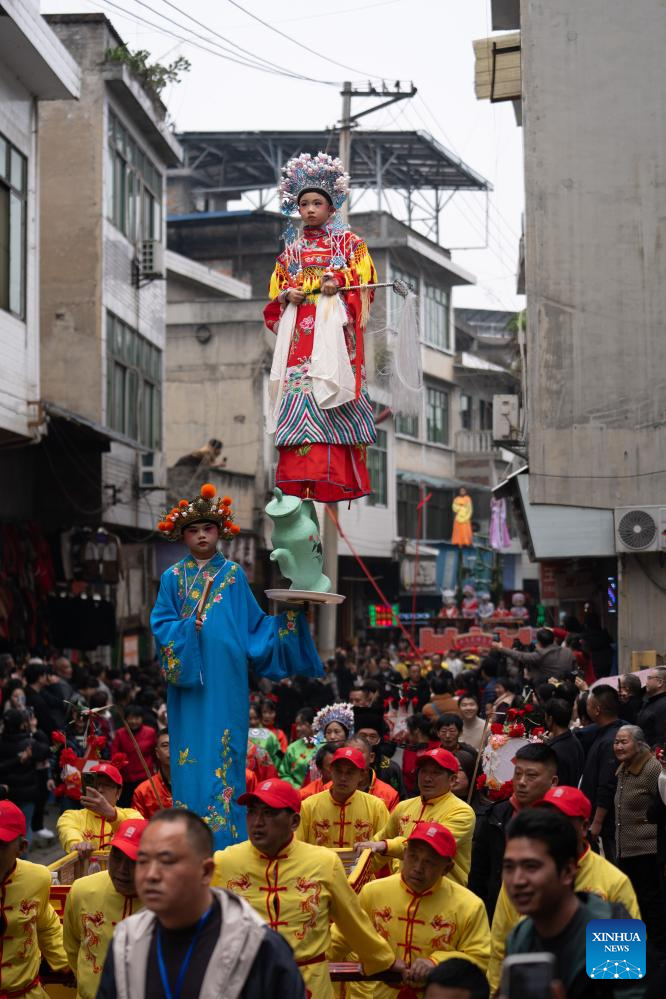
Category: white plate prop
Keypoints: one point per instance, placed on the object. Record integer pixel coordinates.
(304, 596)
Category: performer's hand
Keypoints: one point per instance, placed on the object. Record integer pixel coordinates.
(497, 646)
(198, 624)
(295, 296)
(329, 287)
(84, 849)
(419, 970)
(377, 846)
(398, 967)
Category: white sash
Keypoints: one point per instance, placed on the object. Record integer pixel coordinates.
(333, 380)
(285, 331)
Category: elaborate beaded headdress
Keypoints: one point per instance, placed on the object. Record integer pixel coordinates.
(206, 506)
(322, 173)
(341, 713)
(304, 172)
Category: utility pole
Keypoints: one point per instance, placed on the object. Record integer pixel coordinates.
(328, 612)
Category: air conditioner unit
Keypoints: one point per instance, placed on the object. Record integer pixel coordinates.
(640, 529)
(152, 470)
(506, 418)
(151, 258)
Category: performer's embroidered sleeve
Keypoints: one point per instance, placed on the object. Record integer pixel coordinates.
(279, 282)
(279, 646)
(176, 637)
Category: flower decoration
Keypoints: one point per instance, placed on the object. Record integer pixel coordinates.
(206, 506)
(120, 761)
(322, 172)
(58, 738)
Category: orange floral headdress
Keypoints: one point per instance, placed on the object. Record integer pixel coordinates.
(206, 506)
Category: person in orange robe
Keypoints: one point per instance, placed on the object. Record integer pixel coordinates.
(462, 523)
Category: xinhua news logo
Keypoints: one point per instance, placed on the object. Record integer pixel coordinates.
(615, 948)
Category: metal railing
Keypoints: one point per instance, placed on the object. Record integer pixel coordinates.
(475, 442)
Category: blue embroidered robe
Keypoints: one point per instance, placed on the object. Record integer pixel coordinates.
(207, 685)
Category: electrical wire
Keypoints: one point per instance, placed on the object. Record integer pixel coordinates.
(300, 45)
(132, 16)
(212, 31)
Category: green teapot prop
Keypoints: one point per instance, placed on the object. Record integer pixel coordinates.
(298, 550)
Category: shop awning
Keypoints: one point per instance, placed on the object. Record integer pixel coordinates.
(551, 532)
(433, 482)
(90, 430)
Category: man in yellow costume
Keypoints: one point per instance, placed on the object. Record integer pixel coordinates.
(425, 916)
(299, 889)
(436, 803)
(342, 816)
(31, 929)
(594, 874)
(93, 826)
(98, 902)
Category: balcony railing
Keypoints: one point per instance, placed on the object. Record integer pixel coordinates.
(475, 442)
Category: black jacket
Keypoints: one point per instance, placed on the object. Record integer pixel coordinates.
(485, 876)
(599, 780)
(652, 719)
(570, 758)
(21, 777)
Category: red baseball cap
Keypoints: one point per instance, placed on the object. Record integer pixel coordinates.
(109, 771)
(12, 822)
(568, 800)
(442, 757)
(274, 793)
(128, 836)
(349, 755)
(435, 835)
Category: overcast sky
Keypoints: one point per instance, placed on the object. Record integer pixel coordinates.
(427, 41)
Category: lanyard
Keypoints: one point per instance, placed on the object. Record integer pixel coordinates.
(186, 961)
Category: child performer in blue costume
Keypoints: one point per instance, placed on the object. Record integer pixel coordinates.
(205, 652)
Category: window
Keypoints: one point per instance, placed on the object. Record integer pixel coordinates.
(395, 301)
(439, 515)
(408, 425)
(436, 325)
(466, 414)
(13, 201)
(134, 384)
(408, 500)
(134, 202)
(377, 467)
(485, 415)
(437, 416)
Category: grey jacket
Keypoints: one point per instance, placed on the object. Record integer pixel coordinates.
(231, 961)
(552, 662)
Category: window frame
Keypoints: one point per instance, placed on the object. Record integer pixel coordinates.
(378, 452)
(134, 203)
(434, 334)
(430, 415)
(134, 384)
(13, 301)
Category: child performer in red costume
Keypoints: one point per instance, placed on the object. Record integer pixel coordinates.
(319, 407)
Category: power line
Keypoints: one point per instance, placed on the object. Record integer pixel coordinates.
(212, 31)
(132, 16)
(283, 34)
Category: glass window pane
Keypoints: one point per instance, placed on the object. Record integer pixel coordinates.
(132, 405)
(118, 397)
(3, 157)
(16, 253)
(156, 441)
(17, 170)
(4, 247)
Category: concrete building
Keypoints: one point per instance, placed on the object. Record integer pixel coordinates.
(595, 173)
(103, 301)
(34, 67)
